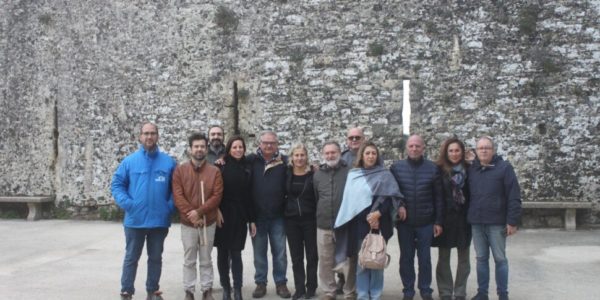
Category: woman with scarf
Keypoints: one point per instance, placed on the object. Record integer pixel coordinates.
(370, 196)
(237, 213)
(457, 232)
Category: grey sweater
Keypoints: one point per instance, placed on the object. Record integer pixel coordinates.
(329, 186)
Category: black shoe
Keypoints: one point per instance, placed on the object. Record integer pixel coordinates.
(188, 295)
(446, 298)
(407, 298)
(237, 294)
(260, 291)
(126, 296)
(480, 296)
(460, 298)
(426, 297)
(310, 294)
(226, 293)
(298, 294)
(503, 297)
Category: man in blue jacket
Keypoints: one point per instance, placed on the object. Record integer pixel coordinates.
(142, 187)
(419, 217)
(494, 213)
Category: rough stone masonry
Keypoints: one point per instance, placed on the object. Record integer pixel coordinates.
(77, 77)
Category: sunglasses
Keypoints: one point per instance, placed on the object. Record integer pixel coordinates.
(355, 138)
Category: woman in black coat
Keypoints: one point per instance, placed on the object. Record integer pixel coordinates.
(457, 232)
(301, 222)
(237, 211)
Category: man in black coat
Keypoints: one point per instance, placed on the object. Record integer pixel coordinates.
(419, 218)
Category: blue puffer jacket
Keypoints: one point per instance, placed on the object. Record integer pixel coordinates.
(420, 182)
(495, 193)
(142, 187)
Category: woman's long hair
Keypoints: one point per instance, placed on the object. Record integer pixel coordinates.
(230, 143)
(359, 156)
(443, 162)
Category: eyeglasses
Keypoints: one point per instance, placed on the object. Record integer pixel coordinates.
(269, 143)
(355, 138)
(484, 148)
(150, 133)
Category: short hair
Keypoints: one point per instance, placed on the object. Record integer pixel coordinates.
(359, 163)
(230, 144)
(265, 132)
(331, 142)
(215, 126)
(443, 162)
(489, 138)
(195, 137)
(144, 123)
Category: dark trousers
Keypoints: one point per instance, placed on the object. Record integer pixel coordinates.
(230, 258)
(302, 236)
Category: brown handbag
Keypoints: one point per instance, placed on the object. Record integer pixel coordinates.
(372, 253)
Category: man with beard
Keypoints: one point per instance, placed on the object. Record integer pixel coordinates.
(216, 149)
(197, 189)
(329, 182)
(142, 187)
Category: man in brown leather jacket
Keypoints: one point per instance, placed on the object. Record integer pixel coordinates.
(197, 190)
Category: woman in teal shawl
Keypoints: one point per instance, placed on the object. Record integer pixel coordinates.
(370, 197)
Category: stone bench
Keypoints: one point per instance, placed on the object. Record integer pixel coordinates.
(570, 208)
(33, 202)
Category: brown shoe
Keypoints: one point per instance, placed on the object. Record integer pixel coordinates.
(260, 291)
(283, 291)
(328, 297)
(207, 295)
(189, 295)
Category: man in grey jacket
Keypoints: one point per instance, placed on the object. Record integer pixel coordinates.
(329, 182)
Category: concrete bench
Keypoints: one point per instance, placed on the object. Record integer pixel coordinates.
(33, 202)
(570, 208)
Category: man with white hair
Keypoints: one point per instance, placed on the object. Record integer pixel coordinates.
(329, 182)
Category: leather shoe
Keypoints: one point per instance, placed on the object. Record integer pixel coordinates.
(283, 291)
(260, 291)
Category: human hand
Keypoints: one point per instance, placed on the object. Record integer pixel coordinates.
(220, 162)
(252, 229)
(401, 213)
(193, 216)
(510, 230)
(220, 219)
(437, 230)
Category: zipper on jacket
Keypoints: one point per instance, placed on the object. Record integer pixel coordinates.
(298, 198)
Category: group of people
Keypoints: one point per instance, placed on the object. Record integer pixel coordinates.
(323, 212)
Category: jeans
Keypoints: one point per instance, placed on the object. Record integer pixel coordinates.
(134, 243)
(486, 237)
(369, 283)
(417, 239)
(269, 231)
(302, 236)
(193, 250)
(446, 287)
(225, 259)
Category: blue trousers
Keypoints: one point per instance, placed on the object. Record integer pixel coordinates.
(486, 237)
(415, 239)
(270, 231)
(134, 243)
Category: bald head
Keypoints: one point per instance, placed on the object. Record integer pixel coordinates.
(354, 138)
(415, 146)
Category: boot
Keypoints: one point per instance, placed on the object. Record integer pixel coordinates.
(226, 293)
(237, 294)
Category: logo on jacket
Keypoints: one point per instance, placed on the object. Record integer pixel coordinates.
(160, 178)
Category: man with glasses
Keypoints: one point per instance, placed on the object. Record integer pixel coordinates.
(216, 149)
(354, 139)
(141, 186)
(494, 212)
(268, 192)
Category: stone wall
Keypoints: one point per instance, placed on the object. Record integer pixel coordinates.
(79, 76)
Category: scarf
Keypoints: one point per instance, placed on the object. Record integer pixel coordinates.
(457, 182)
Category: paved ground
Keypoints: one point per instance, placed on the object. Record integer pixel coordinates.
(57, 259)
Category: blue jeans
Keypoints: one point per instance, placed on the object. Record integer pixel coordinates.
(369, 283)
(134, 243)
(417, 239)
(273, 231)
(486, 237)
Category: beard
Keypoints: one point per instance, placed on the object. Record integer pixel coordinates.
(332, 163)
(216, 143)
(199, 156)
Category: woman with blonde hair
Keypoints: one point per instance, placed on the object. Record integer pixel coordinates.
(301, 222)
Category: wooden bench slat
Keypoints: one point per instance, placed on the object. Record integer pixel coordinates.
(558, 204)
